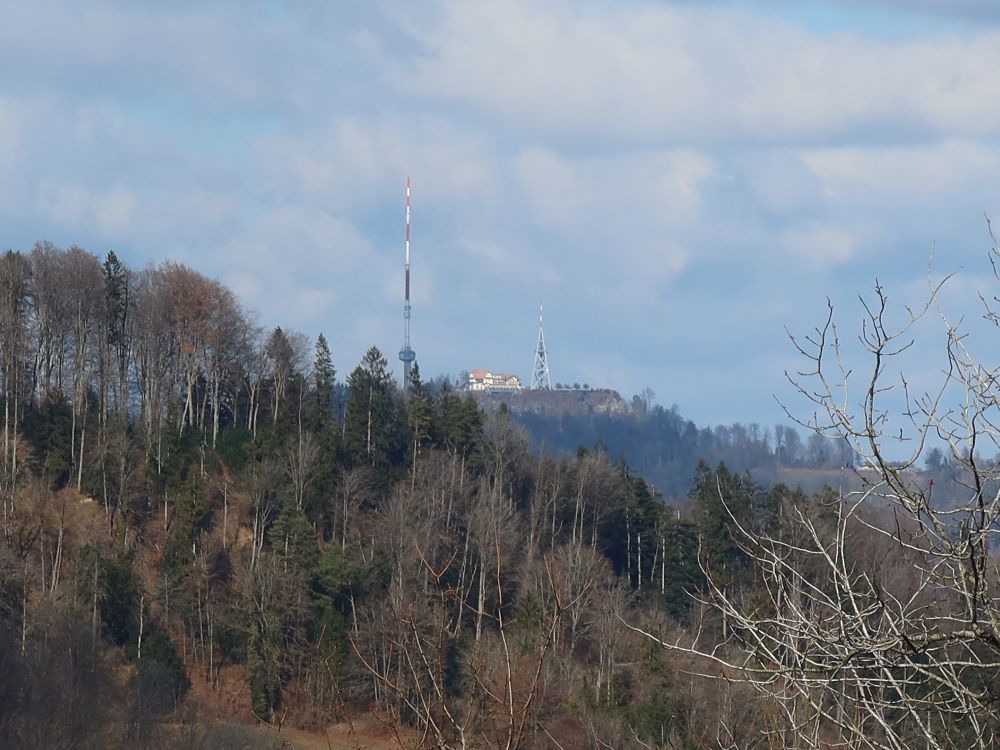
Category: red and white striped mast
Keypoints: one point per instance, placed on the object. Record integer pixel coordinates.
(406, 353)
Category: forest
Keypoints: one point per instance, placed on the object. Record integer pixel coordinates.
(665, 447)
(207, 537)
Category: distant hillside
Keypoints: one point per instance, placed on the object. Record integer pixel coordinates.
(665, 448)
(555, 402)
(659, 443)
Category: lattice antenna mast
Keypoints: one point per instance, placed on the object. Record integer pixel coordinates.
(540, 380)
(406, 353)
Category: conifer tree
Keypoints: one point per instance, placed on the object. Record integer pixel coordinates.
(324, 376)
(723, 500)
(323, 424)
(418, 414)
(374, 433)
(116, 301)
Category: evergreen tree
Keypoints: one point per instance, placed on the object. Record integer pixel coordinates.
(460, 424)
(293, 540)
(49, 431)
(722, 500)
(262, 666)
(323, 423)
(374, 432)
(418, 413)
(630, 531)
(324, 375)
(443, 403)
(116, 303)
(684, 576)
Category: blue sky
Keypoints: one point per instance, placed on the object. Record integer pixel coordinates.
(678, 181)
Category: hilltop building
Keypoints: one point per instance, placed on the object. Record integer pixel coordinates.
(492, 382)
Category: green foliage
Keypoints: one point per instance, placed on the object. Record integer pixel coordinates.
(336, 580)
(161, 678)
(324, 376)
(724, 500)
(663, 446)
(529, 621)
(265, 679)
(374, 426)
(192, 514)
(639, 516)
(769, 504)
(179, 455)
(655, 710)
(233, 447)
(232, 638)
(116, 302)
(684, 576)
(335, 577)
(193, 506)
(460, 425)
(294, 541)
(419, 415)
(49, 430)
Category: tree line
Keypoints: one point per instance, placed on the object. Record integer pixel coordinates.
(664, 446)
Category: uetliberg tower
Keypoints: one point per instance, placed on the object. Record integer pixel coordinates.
(406, 353)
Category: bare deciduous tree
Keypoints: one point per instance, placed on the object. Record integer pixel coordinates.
(876, 621)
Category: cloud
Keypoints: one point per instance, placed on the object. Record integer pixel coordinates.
(820, 246)
(921, 172)
(676, 180)
(643, 72)
(111, 211)
(291, 261)
(980, 9)
(227, 53)
(356, 163)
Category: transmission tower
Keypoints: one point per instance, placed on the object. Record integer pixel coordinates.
(406, 354)
(540, 380)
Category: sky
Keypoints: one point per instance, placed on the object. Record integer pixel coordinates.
(681, 183)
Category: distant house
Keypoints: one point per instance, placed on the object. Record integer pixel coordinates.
(492, 382)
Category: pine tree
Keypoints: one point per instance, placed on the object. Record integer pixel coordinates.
(325, 376)
(374, 431)
(116, 302)
(684, 576)
(722, 500)
(418, 414)
(323, 424)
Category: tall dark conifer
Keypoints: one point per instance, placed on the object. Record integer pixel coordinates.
(418, 414)
(116, 302)
(324, 426)
(324, 376)
(723, 500)
(374, 431)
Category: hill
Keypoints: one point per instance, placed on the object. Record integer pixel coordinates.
(554, 403)
(661, 444)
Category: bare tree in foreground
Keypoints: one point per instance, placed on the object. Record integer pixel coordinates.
(876, 624)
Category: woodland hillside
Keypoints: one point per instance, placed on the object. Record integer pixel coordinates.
(204, 531)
